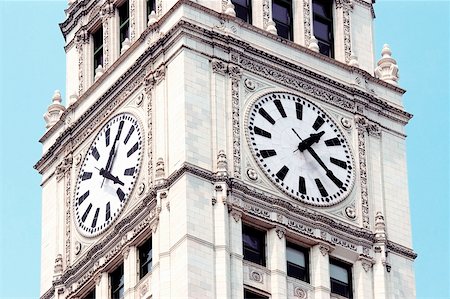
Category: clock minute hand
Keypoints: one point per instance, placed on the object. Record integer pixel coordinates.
(106, 174)
(329, 173)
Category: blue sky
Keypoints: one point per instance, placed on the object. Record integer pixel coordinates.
(32, 66)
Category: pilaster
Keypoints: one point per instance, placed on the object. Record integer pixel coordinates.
(111, 47)
(130, 271)
(342, 38)
(102, 286)
(362, 278)
(234, 219)
(276, 247)
(320, 271)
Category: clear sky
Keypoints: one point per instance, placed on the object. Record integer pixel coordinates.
(32, 66)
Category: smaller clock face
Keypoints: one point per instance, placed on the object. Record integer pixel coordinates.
(300, 149)
(108, 174)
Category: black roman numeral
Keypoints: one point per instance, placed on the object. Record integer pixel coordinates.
(266, 115)
(133, 149)
(86, 213)
(120, 194)
(280, 108)
(95, 153)
(268, 153)
(94, 221)
(301, 185)
(129, 135)
(281, 174)
(83, 197)
(263, 133)
(86, 176)
(107, 133)
(338, 162)
(129, 171)
(333, 142)
(321, 188)
(108, 211)
(299, 110)
(318, 123)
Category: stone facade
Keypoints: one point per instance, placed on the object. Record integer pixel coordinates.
(190, 77)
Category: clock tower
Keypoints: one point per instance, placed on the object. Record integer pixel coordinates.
(225, 149)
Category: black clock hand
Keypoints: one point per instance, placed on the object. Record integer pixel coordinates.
(328, 172)
(112, 152)
(313, 138)
(107, 175)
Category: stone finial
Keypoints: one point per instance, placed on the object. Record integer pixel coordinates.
(229, 9)
(159, 171)
(151, 18)
(353, 60)
(54, 110)
(222, 164)
(313, 44)
(271, 28)
(387, 69)
(125, 45)
(98, 72)
(58, 268)
(380, 227)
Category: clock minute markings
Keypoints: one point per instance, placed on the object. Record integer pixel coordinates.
(86, 213)
(281, 174)
(318, 123)
(94, 221)
(321, 188)
(266, 115)
(280, 108)
(261, 132)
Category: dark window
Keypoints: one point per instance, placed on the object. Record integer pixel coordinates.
(252, 295)
(124, 22)
(323, 26)
(98, 48)
(297, 262)
(282, 16)
(341, 278)
(151, 6)
(253, 245)
(117, 286)
(243, 9)
(145, 258)
(91, 295)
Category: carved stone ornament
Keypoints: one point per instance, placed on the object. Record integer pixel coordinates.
(58, 268)
(159, 170)
(266, 13)
(387, 69)
(361, 124)
(236, 215)
(143, 289)
(366, 265)
(374, 130)
(346, 123)
(140, 100)
(64, 166)
(126, 252)
(300, 293)
(281, 231)
(324, 249)
(249, 84)
(307, 21)
(141, 188)
(222, 164)
(252, 174)
(350, 212)
(256, 276)
(77, 248)
(380, 227)
(229, 9)
(54, 110)
(218, 66)
(213, 200)
(235, 74)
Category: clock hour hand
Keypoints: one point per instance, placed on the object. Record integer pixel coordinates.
(329, 173)
(112, 152)
(313, 138)
(107, 175)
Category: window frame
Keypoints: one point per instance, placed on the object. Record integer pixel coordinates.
(97, 55)
(115, 291)
(124, 23)
(253, 294)
(248, 9)
(144, 265)
(348, 268)
(289, 5)
(325, 20)
(261, 236)
(150, 6)
(305, 252)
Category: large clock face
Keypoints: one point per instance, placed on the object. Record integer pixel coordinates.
(300, 148)
(108, 174)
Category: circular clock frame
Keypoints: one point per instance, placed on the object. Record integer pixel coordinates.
(105, 172)
(298, 143)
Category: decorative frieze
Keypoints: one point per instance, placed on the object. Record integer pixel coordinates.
(235, 75)
(361, 124)
(218, 66)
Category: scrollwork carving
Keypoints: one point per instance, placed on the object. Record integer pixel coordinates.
(218, 66)
(256, 276)
(300, 293)
(307, 21)
(235, 74)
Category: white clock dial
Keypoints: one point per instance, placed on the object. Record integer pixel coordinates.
(300, 148)
(108, 175)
